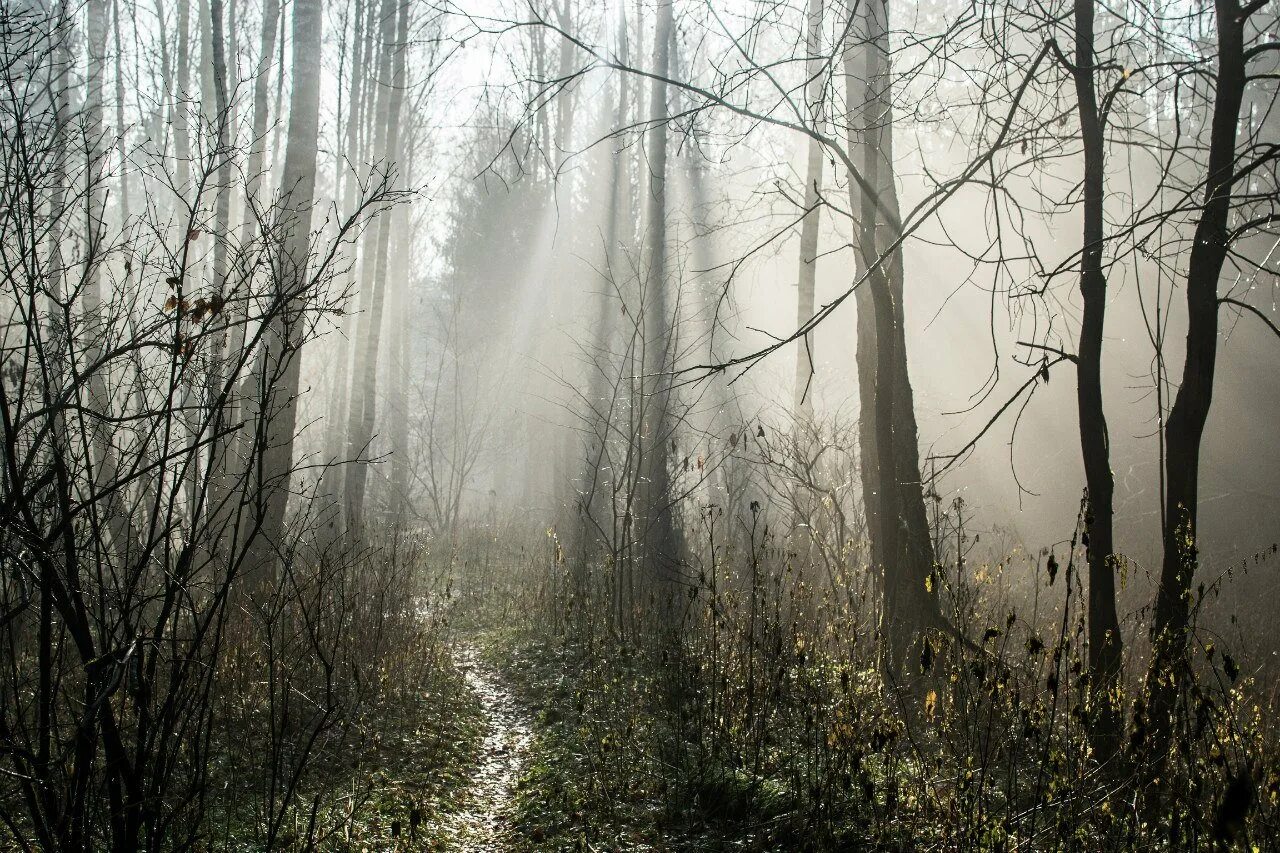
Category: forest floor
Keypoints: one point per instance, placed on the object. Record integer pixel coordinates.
(559, 769)
(482, 821)
(563, 760)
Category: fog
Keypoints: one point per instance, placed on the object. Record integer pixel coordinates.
(735, 239)
(348, 335)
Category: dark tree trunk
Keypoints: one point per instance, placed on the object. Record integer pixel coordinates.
(661, 546)
(1104, 626)
(1185, 426)
(865, 325)
(896, 515)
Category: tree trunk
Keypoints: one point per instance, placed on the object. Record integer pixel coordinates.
(278, 369)
(1185, 426)
(181, 116)
(261, 111)
(222, 117)
(279, 111)
(865, 327)
(208, 94)
(95, 131)
(338, 412)
(120, 127)
(564, 111)
(363, 414)
(125, 537)
(896, 515)
(1104, 625)
(239, 297)
(354, 474)
(400, 362)
(597, 510)
(661, 548)
(809, 226)
(219, 464)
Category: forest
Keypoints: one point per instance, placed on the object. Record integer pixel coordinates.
(639, 425)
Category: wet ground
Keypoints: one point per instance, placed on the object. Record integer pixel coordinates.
(482, 821)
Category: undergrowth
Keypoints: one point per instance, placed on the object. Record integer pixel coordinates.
(760, 716)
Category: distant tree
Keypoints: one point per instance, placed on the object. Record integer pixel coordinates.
(363, 412)
(279, 365)
(809, 226)
(658, 525)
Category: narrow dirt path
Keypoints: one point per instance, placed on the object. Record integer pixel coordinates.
(480, 824)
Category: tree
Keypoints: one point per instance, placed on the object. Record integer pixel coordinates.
(364, 392)
(661, 544)
(277, 416)
(1105, 642)
(1225, 167)
(348, 176)
(893, 491)
(809, 226)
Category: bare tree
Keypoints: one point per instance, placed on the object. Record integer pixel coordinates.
(364, 391)
(1105, 642)
(276, 423)
(1226, 166)
(892, 487)
(659, 527)
(809, 227)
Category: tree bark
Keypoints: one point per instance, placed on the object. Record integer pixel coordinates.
(809, 226)
(1185, 426)
(363, 413)
(278, 369)
(1103, 623)
(661, 548)
(896, 514)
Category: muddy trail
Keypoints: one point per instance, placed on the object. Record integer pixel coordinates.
(482, 822)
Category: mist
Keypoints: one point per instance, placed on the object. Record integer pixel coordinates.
(486, 425)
